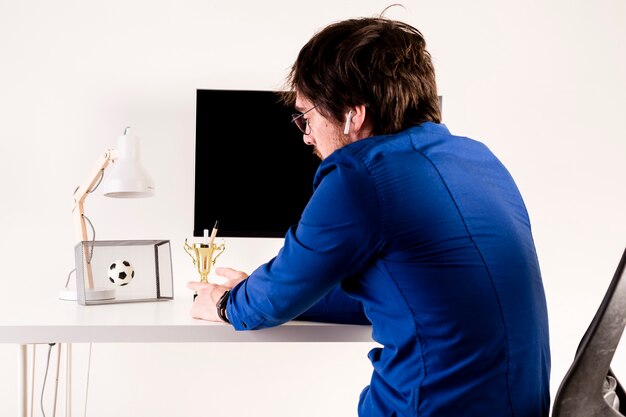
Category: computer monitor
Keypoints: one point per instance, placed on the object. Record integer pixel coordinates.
(253, 172)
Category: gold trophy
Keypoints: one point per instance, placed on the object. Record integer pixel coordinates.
(205, 254)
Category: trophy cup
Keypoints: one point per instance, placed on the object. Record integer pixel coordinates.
(204, 255)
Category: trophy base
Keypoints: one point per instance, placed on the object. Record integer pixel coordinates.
(92, 294)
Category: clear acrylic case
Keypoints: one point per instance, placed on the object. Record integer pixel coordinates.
(123, 271)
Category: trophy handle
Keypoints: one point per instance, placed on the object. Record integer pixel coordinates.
(220, 250)
(187, 249)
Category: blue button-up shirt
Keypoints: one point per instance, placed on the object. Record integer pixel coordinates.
(425, 235)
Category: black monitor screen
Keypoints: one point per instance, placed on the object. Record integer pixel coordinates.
(253, 172)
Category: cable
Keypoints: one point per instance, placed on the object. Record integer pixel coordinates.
(43, 387)
(96, 186)
(68, 277)
(99, 181)
(93, 239)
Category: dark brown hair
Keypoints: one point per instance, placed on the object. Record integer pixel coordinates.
(377, 62)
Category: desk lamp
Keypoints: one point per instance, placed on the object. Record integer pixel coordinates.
(127, 179)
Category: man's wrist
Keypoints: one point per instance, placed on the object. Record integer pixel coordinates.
(221, 306)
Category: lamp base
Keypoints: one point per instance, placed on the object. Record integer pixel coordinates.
(92, 294)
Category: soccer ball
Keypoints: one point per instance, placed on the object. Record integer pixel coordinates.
(121, 272)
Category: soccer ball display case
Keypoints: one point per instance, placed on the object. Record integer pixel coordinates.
(123, 271)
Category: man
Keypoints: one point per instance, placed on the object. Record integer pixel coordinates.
(420, 232)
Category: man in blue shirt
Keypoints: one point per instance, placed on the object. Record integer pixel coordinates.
(422, 233)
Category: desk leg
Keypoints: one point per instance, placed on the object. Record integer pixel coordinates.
(68, 381)
(56, 381)
(22, 382)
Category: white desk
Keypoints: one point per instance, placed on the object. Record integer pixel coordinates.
(151, 322)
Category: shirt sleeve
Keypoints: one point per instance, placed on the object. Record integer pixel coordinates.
(336, 307)
(337, 235)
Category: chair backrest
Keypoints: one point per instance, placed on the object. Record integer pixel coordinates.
(581, 391)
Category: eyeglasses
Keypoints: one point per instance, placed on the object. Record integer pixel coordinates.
(302, 123)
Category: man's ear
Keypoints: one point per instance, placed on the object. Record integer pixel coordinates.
(356, 124)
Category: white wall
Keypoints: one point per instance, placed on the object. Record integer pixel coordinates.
(543, 83)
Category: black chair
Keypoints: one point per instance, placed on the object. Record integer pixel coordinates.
(583, 389)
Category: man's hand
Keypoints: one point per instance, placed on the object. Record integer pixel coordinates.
(233, 277)
(205, 305)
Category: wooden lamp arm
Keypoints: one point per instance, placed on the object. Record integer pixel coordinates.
(80, 228)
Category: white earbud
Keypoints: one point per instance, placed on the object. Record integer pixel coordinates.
(346, 128)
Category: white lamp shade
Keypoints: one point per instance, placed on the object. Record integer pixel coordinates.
(126, 177)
